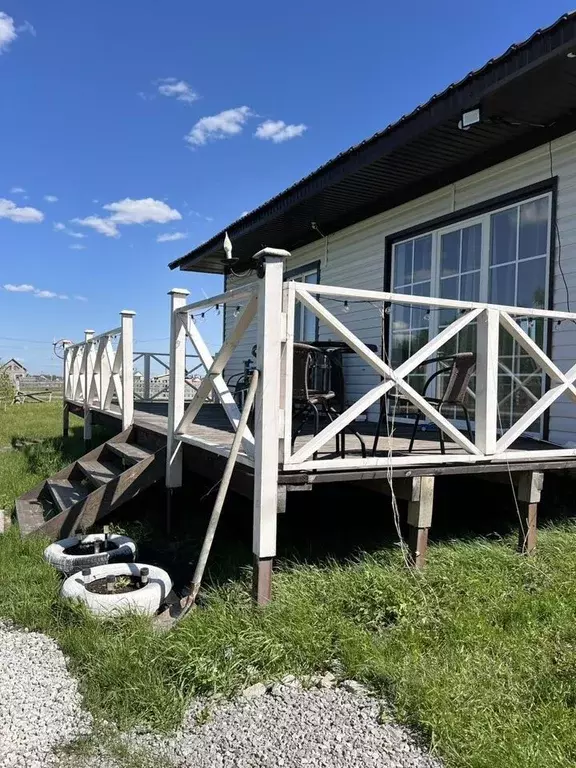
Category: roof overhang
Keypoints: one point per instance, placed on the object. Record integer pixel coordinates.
(527, 97)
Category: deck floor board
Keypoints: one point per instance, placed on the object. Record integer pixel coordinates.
(213, 431)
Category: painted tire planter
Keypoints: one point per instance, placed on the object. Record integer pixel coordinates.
(145, 600)
(66, 556)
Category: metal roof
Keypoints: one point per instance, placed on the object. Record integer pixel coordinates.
(527, 97)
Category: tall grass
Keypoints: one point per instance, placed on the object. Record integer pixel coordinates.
(478, 651)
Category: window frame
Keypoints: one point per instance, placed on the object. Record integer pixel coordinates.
(298, 274)
(481, 213)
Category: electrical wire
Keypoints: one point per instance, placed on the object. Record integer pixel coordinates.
(557, 234)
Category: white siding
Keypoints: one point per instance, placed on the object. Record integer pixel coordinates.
(355, 258)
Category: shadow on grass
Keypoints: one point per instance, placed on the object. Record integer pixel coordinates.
(333, 523)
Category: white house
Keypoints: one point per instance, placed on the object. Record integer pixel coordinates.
(471, 196)
(15, 371)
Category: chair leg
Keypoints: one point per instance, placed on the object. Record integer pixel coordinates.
(382, 419)
(414, 430)
(468, 424)
(331, 419)
(304, 415)
(441, 434)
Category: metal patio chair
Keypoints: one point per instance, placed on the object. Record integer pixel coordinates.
(459, 369)
(318, 388)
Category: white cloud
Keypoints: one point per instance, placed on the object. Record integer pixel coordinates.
(130, 211)
(17, 191)
(51, 198)
(80, 298)
(60, 227)
(277, 131)
(24, 215)
(178, 89)
(22, 288)
(170, 237)
(40, 294)
(7, 31)
(77, 247)
(103, 226)
(221, 126)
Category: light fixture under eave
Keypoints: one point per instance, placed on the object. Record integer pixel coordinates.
(571, 55)
(469, 118)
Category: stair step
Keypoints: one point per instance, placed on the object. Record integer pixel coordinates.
(98, 472)
(130, 452)
(30, 515)
(67, 492)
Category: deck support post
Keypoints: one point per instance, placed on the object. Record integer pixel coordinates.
(127, 404)
(65, 420)
(177, 372)
(529, 492)
(420, 506)
(267, 422)
(87, 381)
(65, 378)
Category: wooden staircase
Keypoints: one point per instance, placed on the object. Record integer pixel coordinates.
(92, 487)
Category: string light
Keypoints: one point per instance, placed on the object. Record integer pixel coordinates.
(203, 316)
(346, 307)
(236, 311)
(217, 309)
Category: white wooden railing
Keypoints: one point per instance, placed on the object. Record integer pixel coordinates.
(149, 389)
(99, 374)
(490, 442)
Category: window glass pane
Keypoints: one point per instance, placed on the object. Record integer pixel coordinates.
(502, 284)
(533, 229)
(470, 286)
(449, 288)
(420, 289)
(471, 247)
(503, 236)
(309, 326)
(422, 258)
(403, 263)
(311, 278)
(532, 283)
(450, 253)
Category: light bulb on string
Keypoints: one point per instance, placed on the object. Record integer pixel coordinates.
(346, 307)
(236, 311)
(203, 316)
(217, 309)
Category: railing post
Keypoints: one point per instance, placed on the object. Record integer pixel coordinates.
(488, 326)
(127, 341)
(87, 384)
(146, 376)
(176, 374)
(267, 422)
(65, 389)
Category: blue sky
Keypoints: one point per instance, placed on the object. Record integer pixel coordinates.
(125, 125)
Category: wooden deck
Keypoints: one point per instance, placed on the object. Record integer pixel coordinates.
(212, 433)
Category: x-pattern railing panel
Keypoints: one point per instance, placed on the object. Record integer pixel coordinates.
(214, 379)
(393, 378)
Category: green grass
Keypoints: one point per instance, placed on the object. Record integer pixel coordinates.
(477, 652)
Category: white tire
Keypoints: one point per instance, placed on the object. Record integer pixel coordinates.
(123, 551)
(146, 600)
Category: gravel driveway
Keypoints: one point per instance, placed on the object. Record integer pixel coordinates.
(283, 726)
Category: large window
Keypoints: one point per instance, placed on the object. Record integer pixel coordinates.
(500, 257)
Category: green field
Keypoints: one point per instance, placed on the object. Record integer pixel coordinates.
(477, 652)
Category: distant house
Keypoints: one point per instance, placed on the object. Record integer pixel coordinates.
(15, 370)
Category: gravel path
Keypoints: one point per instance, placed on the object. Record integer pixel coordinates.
(283, 726)
(40, 706)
